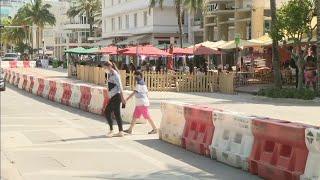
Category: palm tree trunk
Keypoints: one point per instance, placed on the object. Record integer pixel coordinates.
(318, 43)
(38, 40)
(179, 17)
(275, 50)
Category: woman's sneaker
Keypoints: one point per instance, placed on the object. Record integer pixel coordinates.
(119, 134)
(154, 131)
(110, 134)
(128, 131)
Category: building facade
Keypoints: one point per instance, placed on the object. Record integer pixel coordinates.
(131, 22)
(67, 32)
(248, 19)
(8, 8)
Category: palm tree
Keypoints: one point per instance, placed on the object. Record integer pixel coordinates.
(179, 13)
(90, 8)
(39, 14)
(318, 41)
(275, 45)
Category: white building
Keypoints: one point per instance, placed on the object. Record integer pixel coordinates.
(130, 22)
(67, 32)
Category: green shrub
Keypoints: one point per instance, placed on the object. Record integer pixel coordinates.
(305, 94)
(65, 64)
(55, 63)
(83, 63)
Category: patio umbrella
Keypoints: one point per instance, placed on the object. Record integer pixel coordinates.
(210, 44)
(203, 50)
(264, 40)
(232, 45)
(112, 50)
(144, 50)
(181, 51)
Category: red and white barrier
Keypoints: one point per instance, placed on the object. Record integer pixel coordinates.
(18, 64)
(75, 96)
(312, 170)
(85, 97)
(59, 91)
(35, 87)
(98, 98)
(172, 122)
(233, 139)
(45, 92)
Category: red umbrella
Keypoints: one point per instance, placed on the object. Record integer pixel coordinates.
(109, 50)
(144, 50)
(203, 50)
(182, 51)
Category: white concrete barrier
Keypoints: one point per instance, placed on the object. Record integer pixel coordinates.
(97, 100)
(21, 80)
(17, 79)
(233, 139)
(5, 64)
(312, 170)
(46, 89)
(172, 122)
(35, 85)
(75, 96)
(59, 92)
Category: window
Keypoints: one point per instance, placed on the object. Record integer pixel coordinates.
(127, 21)
(112, 24)
(145, 18)
(119, 23)
(135, 20)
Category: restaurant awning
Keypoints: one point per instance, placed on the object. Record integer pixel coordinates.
(77, 50)
(135, 40)
(94, 50)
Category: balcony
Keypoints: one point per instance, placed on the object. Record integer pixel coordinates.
(75, 26)
(129, 6)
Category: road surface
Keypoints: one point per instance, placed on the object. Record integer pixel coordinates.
(45, 140)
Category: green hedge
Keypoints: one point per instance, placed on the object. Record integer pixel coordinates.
(305, 94)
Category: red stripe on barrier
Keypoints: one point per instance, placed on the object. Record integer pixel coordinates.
(31, 84)
(26, 64)
(40, 87)
(52, 90)
(66, 94)
(106, 100)
(279, 149)
(85, 97)
(13, 64)
(198, 130)
(25, 81)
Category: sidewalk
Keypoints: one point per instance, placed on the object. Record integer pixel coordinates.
(286, 109)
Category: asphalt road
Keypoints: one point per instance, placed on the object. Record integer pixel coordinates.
(45, 140)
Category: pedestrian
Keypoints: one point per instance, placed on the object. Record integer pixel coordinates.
(116, 98)
(142, 104)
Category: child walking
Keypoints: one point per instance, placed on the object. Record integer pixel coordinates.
(142, 104)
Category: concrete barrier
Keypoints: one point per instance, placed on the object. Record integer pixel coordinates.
(172, 122)
(233, 139)
(312, 170)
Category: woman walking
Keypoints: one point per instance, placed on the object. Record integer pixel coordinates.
(116, 98)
